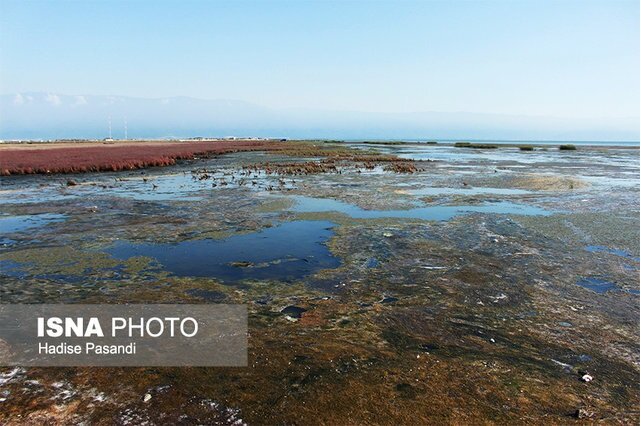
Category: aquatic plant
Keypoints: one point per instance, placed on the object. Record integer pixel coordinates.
(384, 143)
(567, 147)
(475, 145)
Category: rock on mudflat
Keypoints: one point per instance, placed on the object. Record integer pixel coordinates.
(293, 311)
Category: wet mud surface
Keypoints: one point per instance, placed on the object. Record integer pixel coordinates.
(479, 288)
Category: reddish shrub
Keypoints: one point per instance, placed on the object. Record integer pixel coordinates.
(18, 159)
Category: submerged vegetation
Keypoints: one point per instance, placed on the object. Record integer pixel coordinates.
(475, 145)
(567, 147)
(392, 143)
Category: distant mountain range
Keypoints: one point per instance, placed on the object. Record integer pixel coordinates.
(52, 116)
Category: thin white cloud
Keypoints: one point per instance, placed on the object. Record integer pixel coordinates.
(18, 99)
(53, 99)
(80, 100)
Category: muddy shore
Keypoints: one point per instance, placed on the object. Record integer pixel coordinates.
(433, 284)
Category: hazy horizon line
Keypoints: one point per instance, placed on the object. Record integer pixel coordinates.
(349, 140)
(312, 108)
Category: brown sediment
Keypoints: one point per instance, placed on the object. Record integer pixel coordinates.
(548, 183)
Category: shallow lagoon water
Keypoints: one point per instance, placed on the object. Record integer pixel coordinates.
(163, 187)
(168, 187)
(12, 224)
(597, 285)
(467, 191)
(438, 213)
(616, 252)
(450, 153)
(601, 286)
(159, 186)
(45, 194)
(285, 252)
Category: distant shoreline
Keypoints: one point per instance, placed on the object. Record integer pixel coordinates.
(372, 141)
(507, 142)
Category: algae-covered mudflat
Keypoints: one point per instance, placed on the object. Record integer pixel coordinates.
(386, 283)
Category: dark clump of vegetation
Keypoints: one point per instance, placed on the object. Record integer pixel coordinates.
(526, 148)
(374, 157)
(398, 143)
(304, 168)
(330, 159)
(401, 167)
(383, 143)
(568, 147)
(312, 149)
(475, 145)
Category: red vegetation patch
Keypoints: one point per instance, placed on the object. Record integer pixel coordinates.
(127, 156)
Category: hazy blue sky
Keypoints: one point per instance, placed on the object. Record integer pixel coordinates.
(554, 58)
